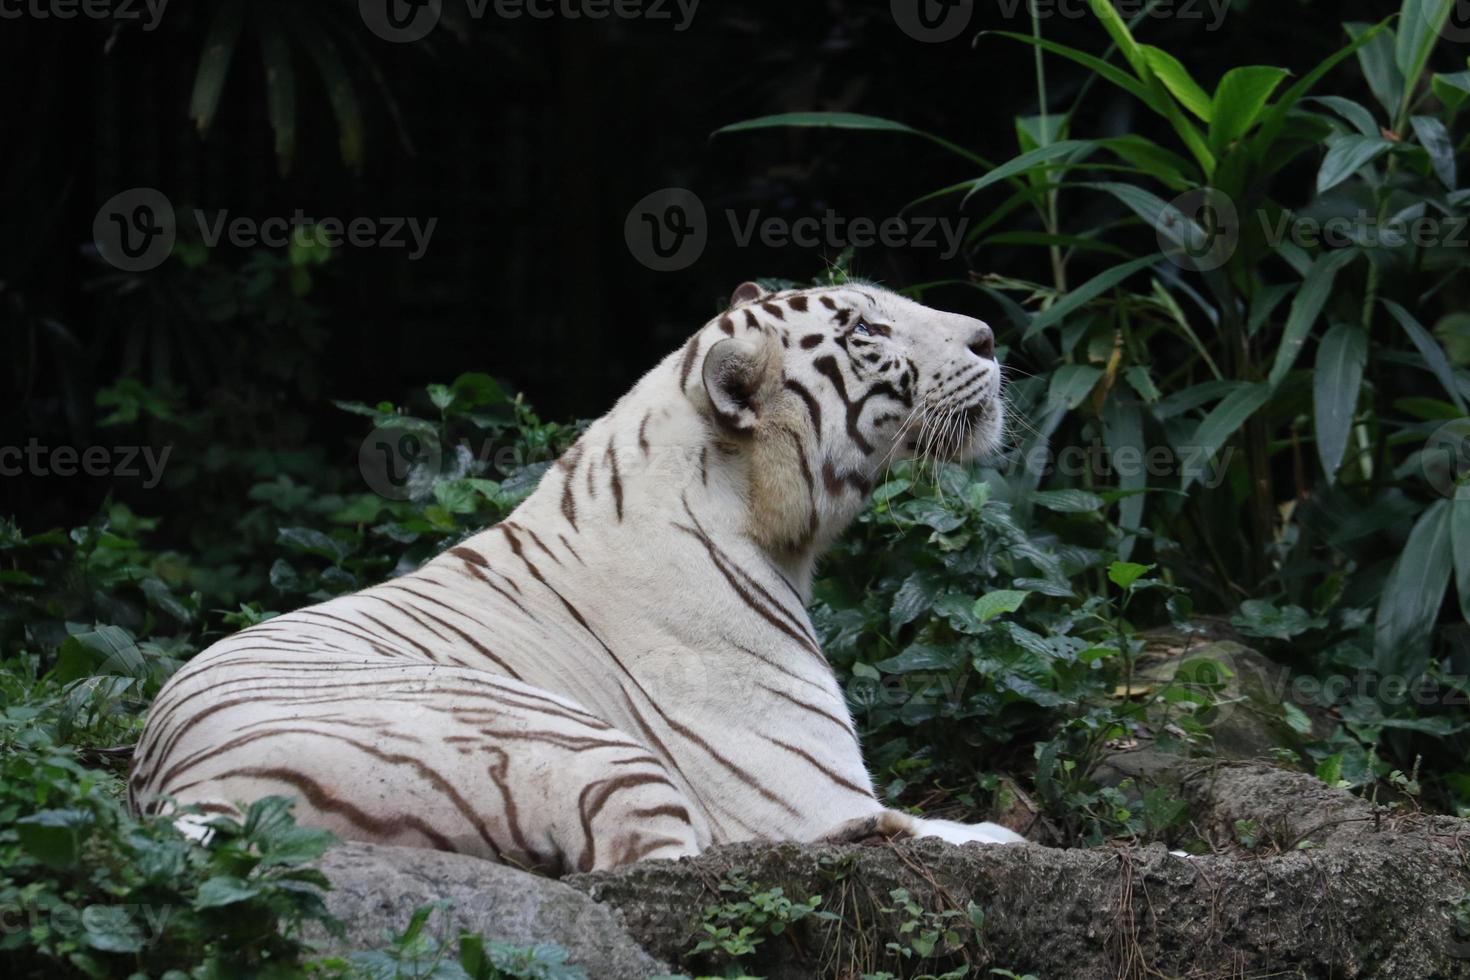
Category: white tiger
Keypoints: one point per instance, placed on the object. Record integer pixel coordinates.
(624, 668)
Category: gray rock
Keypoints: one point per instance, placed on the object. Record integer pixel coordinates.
(375, 891)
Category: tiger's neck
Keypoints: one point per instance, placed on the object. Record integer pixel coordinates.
(655, 470)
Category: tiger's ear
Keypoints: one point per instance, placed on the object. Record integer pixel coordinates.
(747, 292)
(736, 374)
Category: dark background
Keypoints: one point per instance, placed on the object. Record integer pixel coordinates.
(529, 140)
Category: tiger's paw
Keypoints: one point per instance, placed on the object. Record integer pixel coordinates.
(967, 833)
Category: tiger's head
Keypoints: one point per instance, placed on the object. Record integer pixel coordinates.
(816, 390)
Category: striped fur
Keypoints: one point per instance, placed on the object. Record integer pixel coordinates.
(624, 668)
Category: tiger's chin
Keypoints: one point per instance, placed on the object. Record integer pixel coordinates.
(960, 436)
(985, 430)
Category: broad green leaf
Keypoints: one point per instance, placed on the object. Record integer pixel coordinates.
(1353, 112)
(1026, 161)
(1453, 90)
(845, 120)
(1420, 23)
(1068, 501)
(1239, 100)
(53, 837)
(1086, 293)
(1071, 383)
(1412, 596)
(224, 890)
(214, 62)
(1171, 169)
(1124, 574)
(1435, 138)
(1123, 432)
(1346, 155)
(921, 657)
(1176, 78)
(1430, 350)
(1336, 382)
(998, 603)
(1376, 56)
(1460, 542)
(1306, 307)
(1224, 420)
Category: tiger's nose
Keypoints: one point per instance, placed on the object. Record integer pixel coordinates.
(982, 343)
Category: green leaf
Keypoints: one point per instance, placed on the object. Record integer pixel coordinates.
(1239, 101)
(1435, 138)
(341, 91)
(1097, 66)
(214, 63)
(1123, 432)
(1376, 56)
(224, 890)
(1069, 501)
(998, 603)
(1176, 78)
(1224, 420)
(1453, 90)
(1117, 29)
(1275, 117)
(1306, 307)
(1260, 618)
(844, 120)
(53, 837)
(1336, 382)
(920, 657)
(1346, 155)
(280, 91)
(1125, 574)
(1430, 350)
(1411, 598)
(1354, 112)
(1086, 293)
(1420, 23)
(312, 542)
(1460, 540)
(1071, 383)
(1026, 161)
(913, 598)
